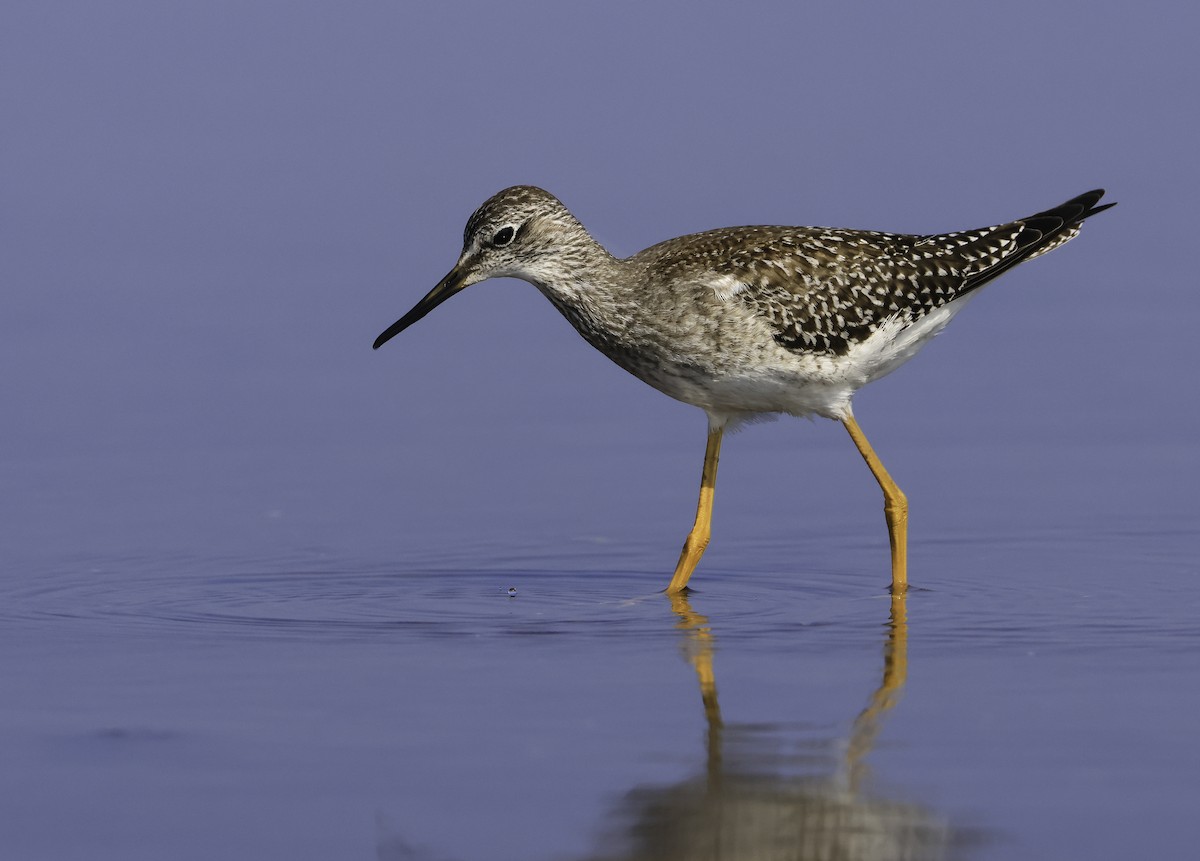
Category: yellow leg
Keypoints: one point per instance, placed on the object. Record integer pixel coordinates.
(697, 540)
(895, 506)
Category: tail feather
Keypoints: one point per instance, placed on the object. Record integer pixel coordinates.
(1043, 232)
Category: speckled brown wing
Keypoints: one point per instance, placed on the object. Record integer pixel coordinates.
(824, 290)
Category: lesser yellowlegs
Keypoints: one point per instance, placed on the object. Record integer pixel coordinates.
(744, 321)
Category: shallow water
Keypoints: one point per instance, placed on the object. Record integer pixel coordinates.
(1032, 697)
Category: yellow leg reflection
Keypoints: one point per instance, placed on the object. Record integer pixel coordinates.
(895, 506)
(751, 802)
(895, 672)
(699, 646)
(697, 540)
(700, 654)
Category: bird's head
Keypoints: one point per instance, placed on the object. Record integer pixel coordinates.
(521, 232)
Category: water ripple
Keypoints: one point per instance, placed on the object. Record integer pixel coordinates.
(1044, 592)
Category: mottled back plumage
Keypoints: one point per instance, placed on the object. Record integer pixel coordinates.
(825, 289)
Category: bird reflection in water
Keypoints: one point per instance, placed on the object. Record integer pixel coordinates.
(742, 808)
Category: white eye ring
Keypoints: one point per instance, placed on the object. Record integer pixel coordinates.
(503, 236)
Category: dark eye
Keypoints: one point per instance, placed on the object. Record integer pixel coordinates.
(503, 236)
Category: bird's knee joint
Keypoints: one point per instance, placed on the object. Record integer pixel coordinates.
(695, 544)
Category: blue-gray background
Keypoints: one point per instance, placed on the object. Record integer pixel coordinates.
(208, 210)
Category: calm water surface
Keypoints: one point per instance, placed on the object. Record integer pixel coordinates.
(1034, 697)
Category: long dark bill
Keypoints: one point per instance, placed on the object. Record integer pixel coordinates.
(446, 288)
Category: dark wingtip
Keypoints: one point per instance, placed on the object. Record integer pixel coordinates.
(1041, 230)
(1072, 212)
(1087, 204)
